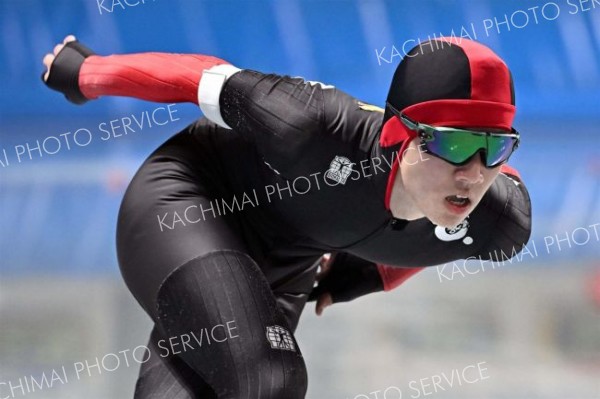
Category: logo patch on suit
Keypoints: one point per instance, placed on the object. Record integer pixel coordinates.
(456, 233)
(339, 169)
(280, 338)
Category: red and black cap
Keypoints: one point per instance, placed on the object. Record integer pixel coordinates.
(447, 81)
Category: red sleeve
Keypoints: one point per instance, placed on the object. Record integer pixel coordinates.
(157, 77)
(393, 276)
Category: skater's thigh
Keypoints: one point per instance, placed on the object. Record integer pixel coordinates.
(168, 217)
(197, 277)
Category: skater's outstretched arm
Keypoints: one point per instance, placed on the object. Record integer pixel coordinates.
(81, 75)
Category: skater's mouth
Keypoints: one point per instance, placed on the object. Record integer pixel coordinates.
(457, 203)
(458, 200)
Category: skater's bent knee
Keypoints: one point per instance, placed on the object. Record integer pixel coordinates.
(238, 332)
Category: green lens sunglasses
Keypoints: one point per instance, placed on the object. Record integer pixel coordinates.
(458, 146)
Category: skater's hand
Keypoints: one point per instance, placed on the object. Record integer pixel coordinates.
(344, 277)
(63, 67)
(49, 58)
(324, 299)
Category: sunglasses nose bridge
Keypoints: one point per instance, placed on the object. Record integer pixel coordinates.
(482, 156)
(472, 170)
(481, 153)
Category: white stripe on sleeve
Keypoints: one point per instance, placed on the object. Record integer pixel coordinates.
(209, 91)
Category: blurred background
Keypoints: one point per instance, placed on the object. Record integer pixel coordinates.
(534, 324)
